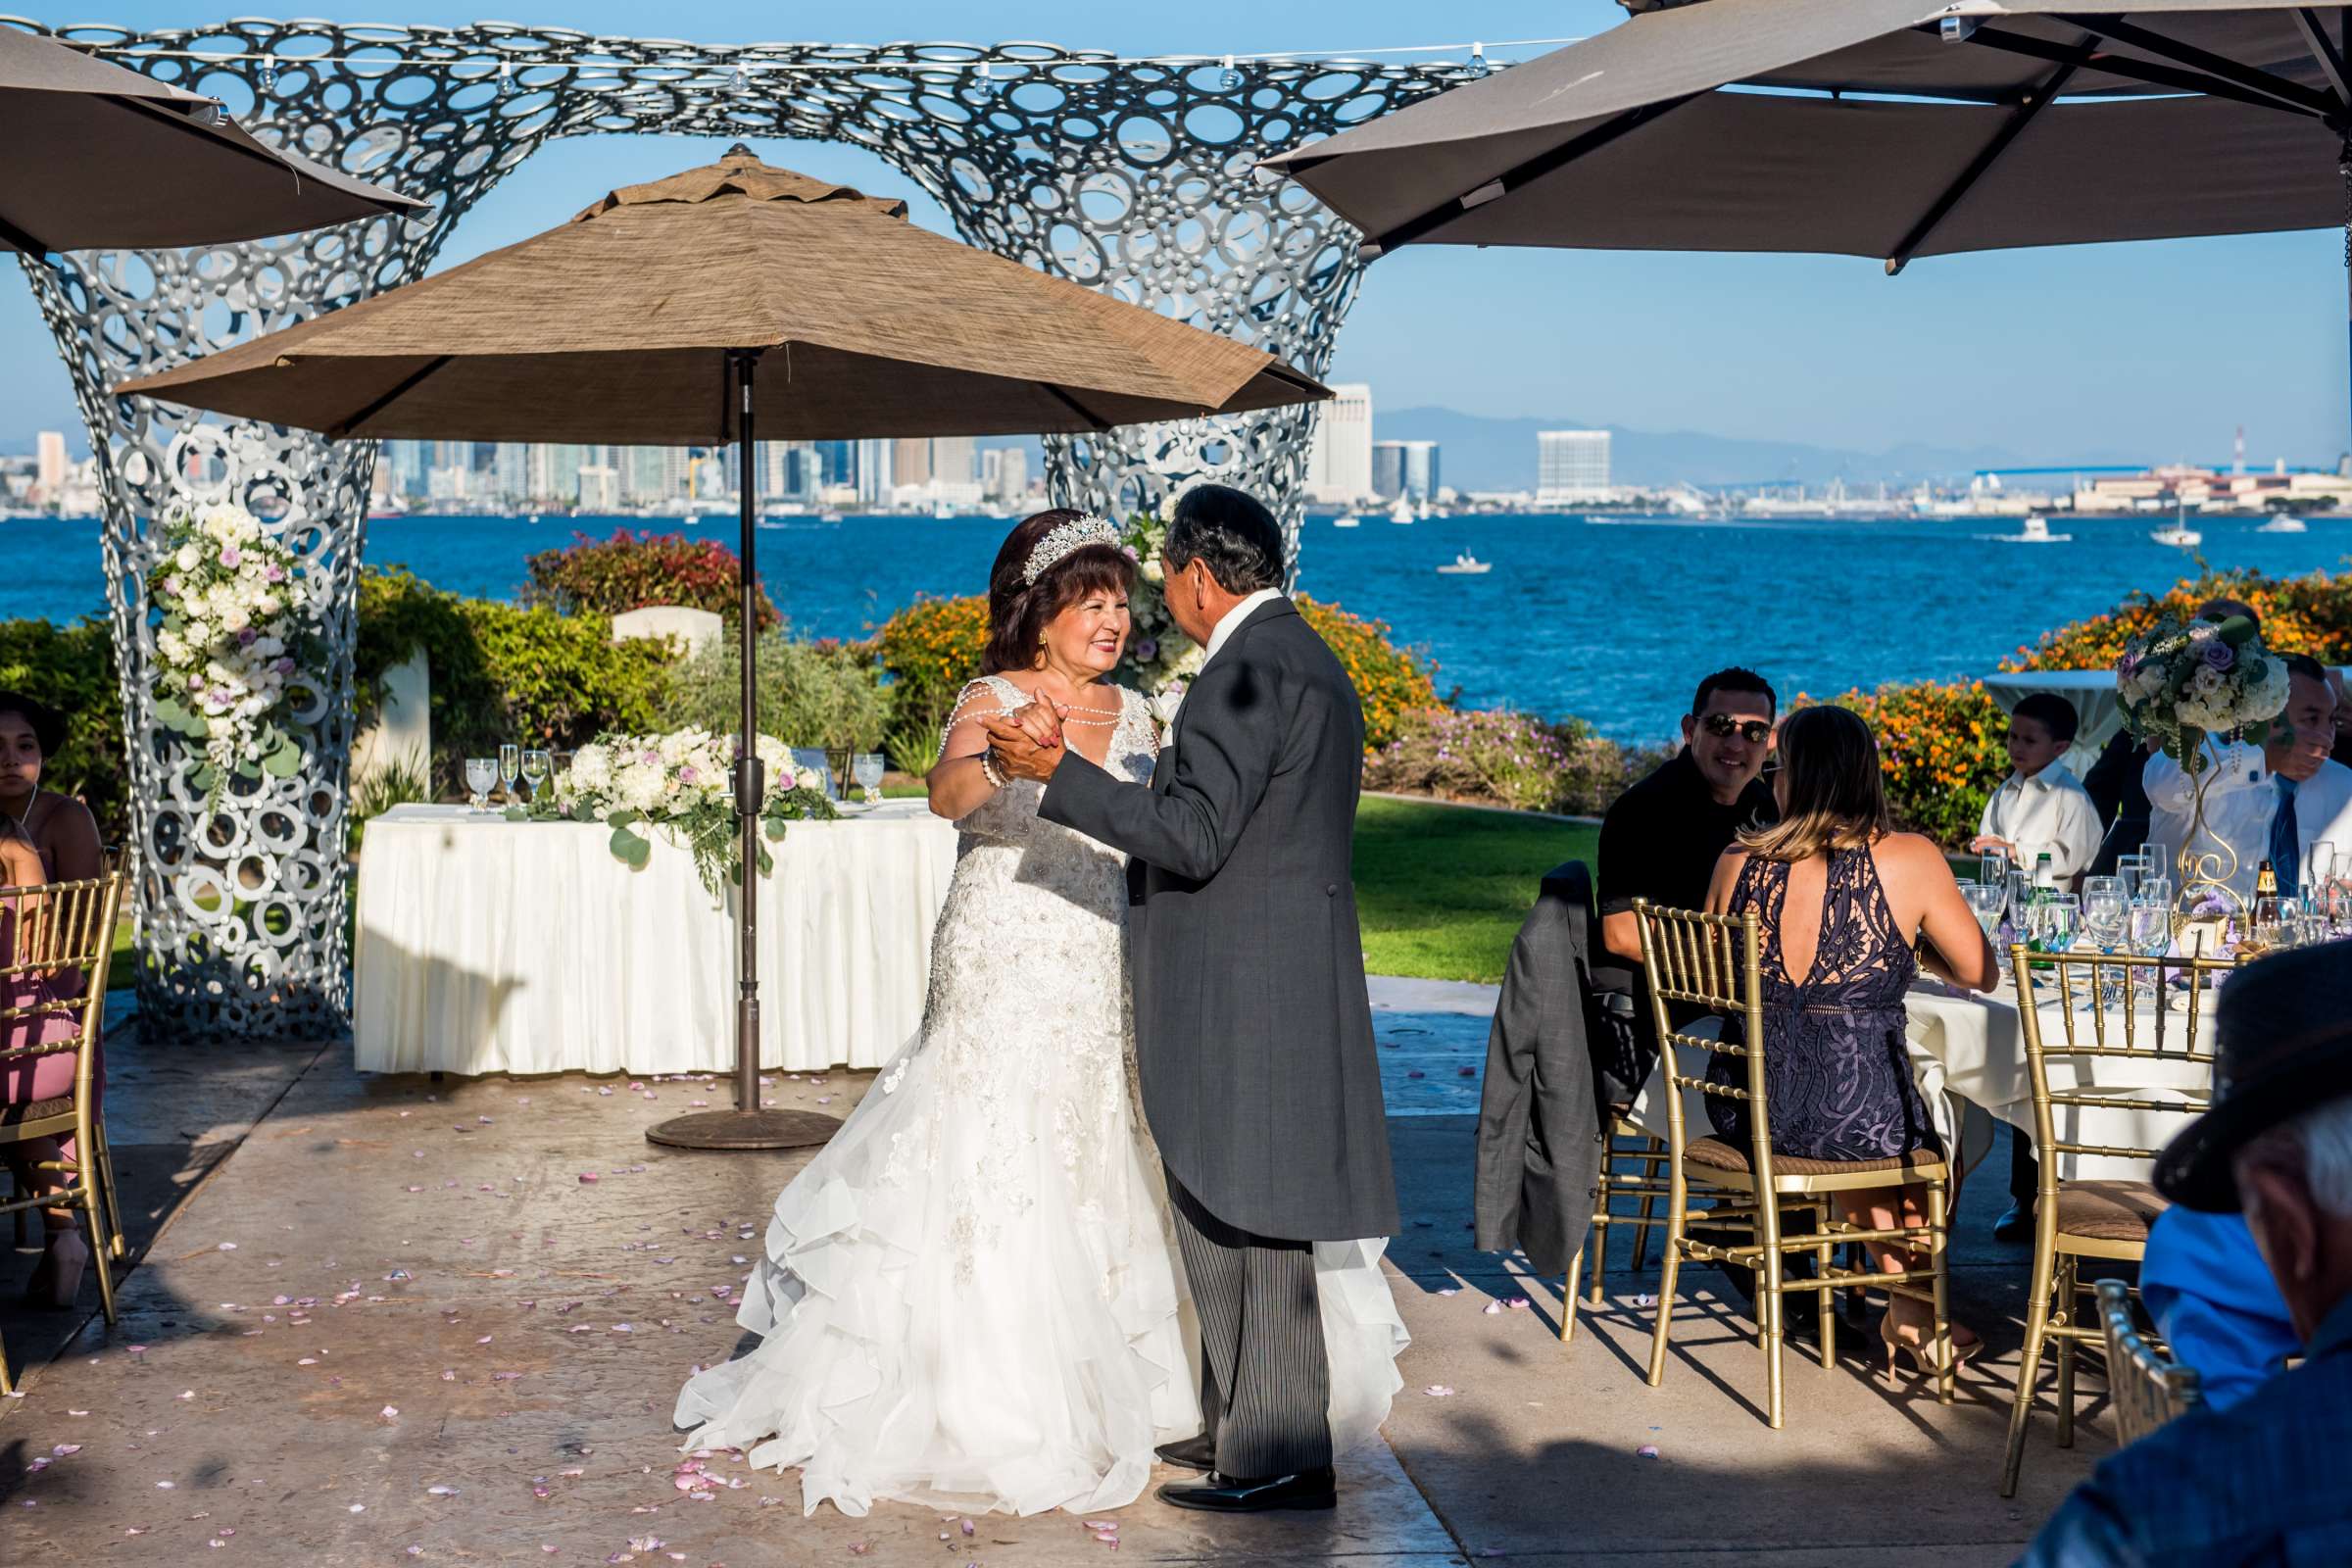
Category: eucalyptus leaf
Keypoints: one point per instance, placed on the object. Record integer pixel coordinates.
(631, 849)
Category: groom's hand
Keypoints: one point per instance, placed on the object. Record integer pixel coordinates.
(1018, 751)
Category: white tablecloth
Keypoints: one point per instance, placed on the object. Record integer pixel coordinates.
(1969, 1057)
(487, 946)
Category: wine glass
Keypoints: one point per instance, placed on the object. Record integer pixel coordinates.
(2105, 912)
(867, 768)
(2128, 870)
(481, 774)
(2148, 934)
(1986, 901)
(509, 764)
(2058, 916)
(1994, 869)
(2319, 867)
(535, 765)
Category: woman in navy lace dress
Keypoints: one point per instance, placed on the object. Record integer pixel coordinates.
(1840, 897)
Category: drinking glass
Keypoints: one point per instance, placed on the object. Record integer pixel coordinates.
(2156, 887)
(2105, 912)
(535, 767)
(2058, 916)
(2103, 884)
(509, 764)
(2148, 933)
(1994, 869)
(2319, 867)
(1986, 901)
(481, 774)
(867, 768)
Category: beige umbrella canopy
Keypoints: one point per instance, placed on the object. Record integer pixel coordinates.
(733, 303)
(95, 156)
(613, 327)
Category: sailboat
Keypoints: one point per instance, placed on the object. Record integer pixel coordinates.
(1402, 510)
(2179, 534)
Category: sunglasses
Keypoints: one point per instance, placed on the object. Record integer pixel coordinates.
(1723, 726)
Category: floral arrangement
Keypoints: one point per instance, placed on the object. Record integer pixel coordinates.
(239, 627)
(1160, 661)
(682, 784)
(2181, 682)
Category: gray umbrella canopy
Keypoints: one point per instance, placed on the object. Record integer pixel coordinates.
(94, 156)
(1888, 128)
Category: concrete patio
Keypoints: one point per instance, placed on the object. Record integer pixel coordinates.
(381, 1320)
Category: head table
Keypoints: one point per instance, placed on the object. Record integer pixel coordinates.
(1967, 1056)
(494, 947)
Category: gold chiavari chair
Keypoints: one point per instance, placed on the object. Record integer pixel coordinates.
(1711, 961)
(1635, 1172)
(66, 929)
(2108, 1029)
(2148, 1387)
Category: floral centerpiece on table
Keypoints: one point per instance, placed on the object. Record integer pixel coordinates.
(682, 784)
(2180, 682)
(1160, 661)
(239, 630)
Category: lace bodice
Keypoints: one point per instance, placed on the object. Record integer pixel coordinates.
(1861, 961)
(1009, 816)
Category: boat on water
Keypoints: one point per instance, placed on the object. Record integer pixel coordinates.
(1346, 522)
(2036, 531)
(1402, 510)
(941, 511)
(2284, 525)
(828, 515)
(1466, 564)
(2179, 534)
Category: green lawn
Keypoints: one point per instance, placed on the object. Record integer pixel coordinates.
(1442, 889)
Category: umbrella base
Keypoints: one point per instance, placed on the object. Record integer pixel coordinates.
(765, 1128)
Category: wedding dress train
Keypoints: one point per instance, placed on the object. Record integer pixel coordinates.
(971, 1297)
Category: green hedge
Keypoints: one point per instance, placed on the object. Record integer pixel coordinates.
(72, 669)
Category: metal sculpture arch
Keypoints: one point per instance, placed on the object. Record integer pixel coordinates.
(1135, 177)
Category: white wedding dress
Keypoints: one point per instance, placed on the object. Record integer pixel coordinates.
(971, 1298)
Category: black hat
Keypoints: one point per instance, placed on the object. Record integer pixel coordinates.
(2284, 1026)
(48, 724)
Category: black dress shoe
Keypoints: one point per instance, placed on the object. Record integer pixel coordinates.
(2015, 1226)
(1218, 1493)
(1191, 1454)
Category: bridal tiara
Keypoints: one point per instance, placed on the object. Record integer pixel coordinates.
(1065, 538)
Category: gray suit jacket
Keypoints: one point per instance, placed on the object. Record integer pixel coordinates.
(1253, 1035)
(1556, 1043)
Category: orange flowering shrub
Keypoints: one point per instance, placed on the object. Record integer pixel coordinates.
(2309, 614)
(1391, 681)
(930, 650)
(1939, 750)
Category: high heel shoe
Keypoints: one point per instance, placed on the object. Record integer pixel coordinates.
(1922, 1352)
(57, 1278)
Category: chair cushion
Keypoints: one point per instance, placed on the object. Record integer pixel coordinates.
(2108, 1211)
(24, 1111)
(1717, 1154)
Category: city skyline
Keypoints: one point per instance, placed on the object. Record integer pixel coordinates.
(2057, 355)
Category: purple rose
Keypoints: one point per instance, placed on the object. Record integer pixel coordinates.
(2216, 654)
(686, 775)
(1148, 650)
(285, 666)
(275, 573)
(230, 555)
(1128, 552)
(246, 637)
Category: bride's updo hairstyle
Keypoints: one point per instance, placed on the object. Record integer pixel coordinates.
(1019, 610)
(1835, 801)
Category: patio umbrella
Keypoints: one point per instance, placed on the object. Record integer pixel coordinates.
(1889, 128)
(675, 314)
(94, 156)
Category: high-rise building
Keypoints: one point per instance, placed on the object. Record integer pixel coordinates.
(910, 461)
(1404, 469)
(510, 472)
(877, 470)
(837, 462)
(1339, 464)
(1013, 475)
(1571, 466)
(49, 469)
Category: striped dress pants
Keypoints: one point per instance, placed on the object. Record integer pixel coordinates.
(1265, 1380)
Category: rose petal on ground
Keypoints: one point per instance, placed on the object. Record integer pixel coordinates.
(1438, 1391)
(1647, 1450)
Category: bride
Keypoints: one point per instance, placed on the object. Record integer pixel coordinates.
(972, 1297)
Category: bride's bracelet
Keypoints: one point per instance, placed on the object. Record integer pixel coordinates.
(993, 771)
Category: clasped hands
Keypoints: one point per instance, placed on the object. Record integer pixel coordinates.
(1027, 742)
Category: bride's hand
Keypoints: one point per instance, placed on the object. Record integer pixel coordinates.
(1041, 721)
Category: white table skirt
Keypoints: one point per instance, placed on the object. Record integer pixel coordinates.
(1968, 1056)
(494, 947)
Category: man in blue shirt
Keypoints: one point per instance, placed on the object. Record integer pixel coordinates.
(2214, 1302)
(2261, 1483)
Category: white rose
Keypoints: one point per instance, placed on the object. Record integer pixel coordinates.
(188, 556)
(199, 633)
(233, 619)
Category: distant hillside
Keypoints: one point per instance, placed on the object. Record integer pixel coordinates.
(1482, 454)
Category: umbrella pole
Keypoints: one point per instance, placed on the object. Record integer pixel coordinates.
(748, 1125)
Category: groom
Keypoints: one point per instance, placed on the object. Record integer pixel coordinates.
(1253, 1036)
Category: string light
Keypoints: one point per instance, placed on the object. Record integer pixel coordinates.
(268, 74)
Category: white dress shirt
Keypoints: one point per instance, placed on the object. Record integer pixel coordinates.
(2047, 812)
(2240, 802)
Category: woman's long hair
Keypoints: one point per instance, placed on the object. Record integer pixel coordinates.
(1836, 799)
(1019, 610)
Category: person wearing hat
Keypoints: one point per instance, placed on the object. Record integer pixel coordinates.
(2262, 1481)
(45, 838)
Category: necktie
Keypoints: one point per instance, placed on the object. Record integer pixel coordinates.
(2286, 854)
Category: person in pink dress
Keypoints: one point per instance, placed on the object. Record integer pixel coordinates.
(44, 837)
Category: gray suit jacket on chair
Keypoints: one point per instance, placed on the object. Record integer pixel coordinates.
(1254, 1036)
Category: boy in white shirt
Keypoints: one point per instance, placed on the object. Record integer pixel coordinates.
(2041, 807)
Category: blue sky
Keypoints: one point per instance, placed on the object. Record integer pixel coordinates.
(2152, 350)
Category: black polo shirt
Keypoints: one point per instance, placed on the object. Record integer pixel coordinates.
(1662, 838)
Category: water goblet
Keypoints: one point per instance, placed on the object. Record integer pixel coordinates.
(1986, 901)
(2128, 870)
(481, 772)
(2059, 915)
(1992, 871)
(2148, 934)
(2105, 912)
(867, 768)
(536, 765)
(2319, 867)
(509, 765)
